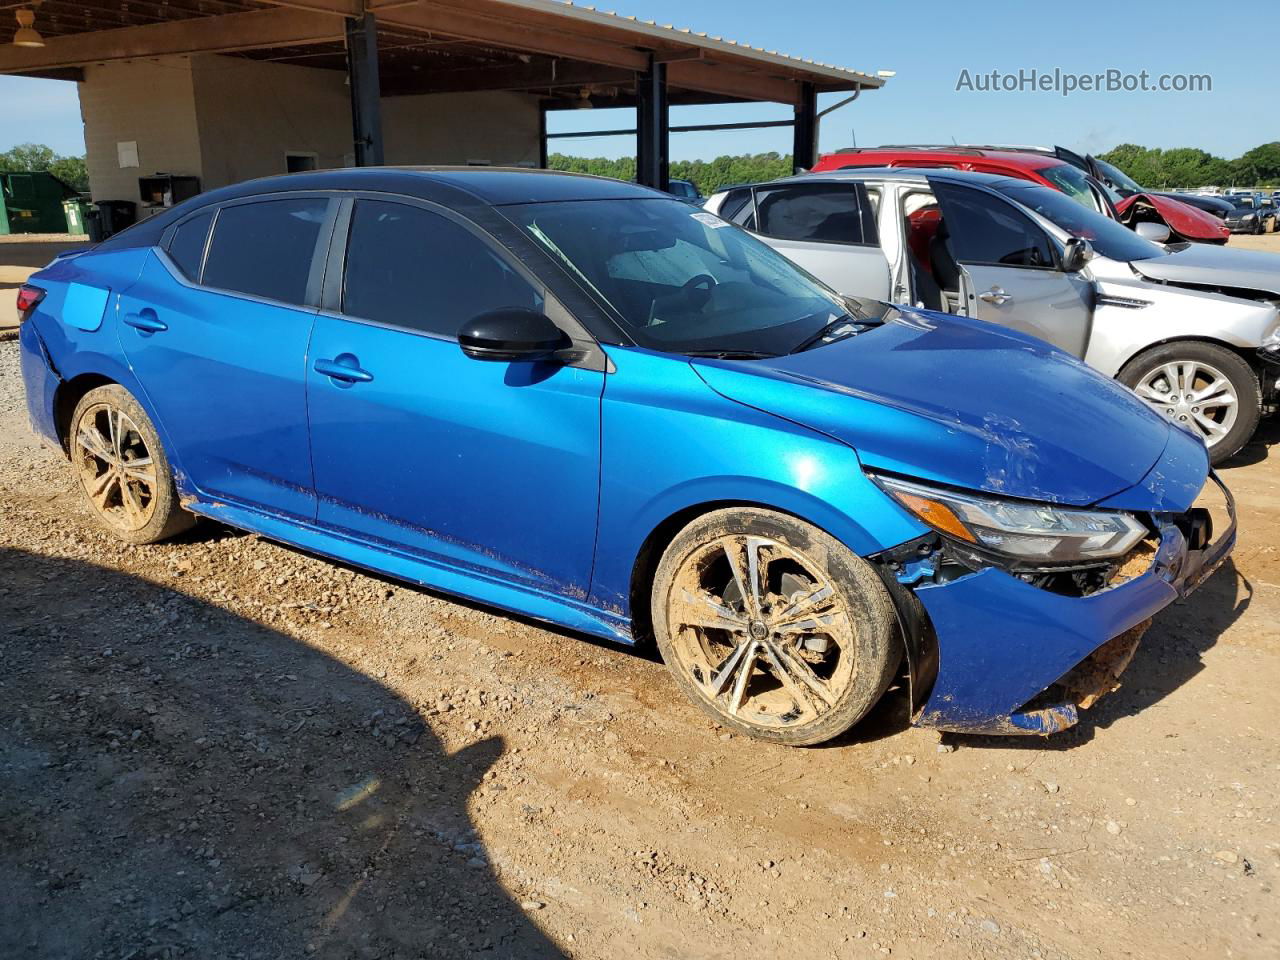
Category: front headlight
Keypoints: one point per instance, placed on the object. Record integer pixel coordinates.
(1271, 342)
(1025, 532)
(1250, 216)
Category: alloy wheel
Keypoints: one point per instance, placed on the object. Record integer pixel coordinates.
(115, 467)
(761, 631)
(1193, 393)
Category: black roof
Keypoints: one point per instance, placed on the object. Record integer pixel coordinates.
(455, 187)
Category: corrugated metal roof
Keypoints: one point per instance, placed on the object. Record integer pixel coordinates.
(668, 32)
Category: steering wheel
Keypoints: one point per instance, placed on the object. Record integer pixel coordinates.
(697, 290)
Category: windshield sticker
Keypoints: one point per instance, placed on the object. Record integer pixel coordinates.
(710, 220)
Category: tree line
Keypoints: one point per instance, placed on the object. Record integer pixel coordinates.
(708, 175)
(30, 157)
(1151, 167)
(1190, 167)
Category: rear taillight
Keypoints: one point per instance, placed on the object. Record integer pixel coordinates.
(28, 298)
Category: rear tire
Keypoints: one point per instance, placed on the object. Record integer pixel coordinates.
(1201, 385)
(773, 627)
(122, 469)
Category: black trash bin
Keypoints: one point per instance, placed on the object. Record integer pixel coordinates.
(116, 215)
(93, 225)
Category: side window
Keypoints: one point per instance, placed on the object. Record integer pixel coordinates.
(737, 207)
(820, 212)
(265, 249)
(186, 246)
(409, 267)
(986, 229)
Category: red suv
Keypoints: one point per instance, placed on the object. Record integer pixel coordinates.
(1048, 169)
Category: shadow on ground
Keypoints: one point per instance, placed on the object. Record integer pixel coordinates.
(176, 781)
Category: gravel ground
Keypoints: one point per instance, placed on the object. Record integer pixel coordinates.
(225, 748)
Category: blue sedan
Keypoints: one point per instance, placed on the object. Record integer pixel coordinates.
(586, 402)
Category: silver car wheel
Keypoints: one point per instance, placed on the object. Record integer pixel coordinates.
(1194, 394)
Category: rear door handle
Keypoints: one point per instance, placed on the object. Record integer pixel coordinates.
(146, 321)
(995, 295)
(343, 367)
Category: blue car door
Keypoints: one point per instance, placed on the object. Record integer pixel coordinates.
(489, 467)
(216, 330)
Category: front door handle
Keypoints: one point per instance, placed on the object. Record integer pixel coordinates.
(146, 321)
(345, 368)
(995, 295)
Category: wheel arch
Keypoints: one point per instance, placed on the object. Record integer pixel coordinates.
(68, 394)
(1248, 356)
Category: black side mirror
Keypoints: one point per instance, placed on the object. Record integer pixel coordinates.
(1077, 253)
(511, 334)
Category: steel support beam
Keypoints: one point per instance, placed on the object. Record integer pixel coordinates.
(805, 152)
(362, 73)
(653, 127)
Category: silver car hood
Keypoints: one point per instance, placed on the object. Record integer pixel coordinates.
(1203, 264)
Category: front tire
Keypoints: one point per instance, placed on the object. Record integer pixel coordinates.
(773, 627)
(122, 468)
(1201, 385)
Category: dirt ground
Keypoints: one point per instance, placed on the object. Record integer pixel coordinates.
(223, 748)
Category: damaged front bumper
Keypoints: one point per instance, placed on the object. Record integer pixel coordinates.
(1013, 658)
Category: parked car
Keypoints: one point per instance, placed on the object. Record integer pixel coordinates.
(1251, 216)
(685, 190)
(1055, 167)
(1183, 329)
(585, 402)
(1217, 206)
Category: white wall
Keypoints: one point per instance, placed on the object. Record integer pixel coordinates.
(228, 119)
(251, 113)
(148, 101)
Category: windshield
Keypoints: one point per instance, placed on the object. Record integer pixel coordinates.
(1108, 237)
(1116, 178)
(1072, 181)
(682, 280)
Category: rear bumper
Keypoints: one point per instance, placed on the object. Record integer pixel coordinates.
(1015, 659)
(40, 382)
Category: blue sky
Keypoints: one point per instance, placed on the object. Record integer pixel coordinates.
(928, 43)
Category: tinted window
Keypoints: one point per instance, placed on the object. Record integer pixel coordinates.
(986, 229)
(409, 267)
(1108, 237)
(737, 207)
(186, 246)
(822, 212)
(265, 249)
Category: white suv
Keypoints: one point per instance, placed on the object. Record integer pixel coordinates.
(1191, 329)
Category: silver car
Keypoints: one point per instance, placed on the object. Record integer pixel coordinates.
(1192, 329)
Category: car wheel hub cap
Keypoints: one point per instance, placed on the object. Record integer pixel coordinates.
(1194, 394)
(115, 467)
(761, 631)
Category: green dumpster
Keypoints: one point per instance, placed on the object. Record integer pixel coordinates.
(75, 209)
(31, 202)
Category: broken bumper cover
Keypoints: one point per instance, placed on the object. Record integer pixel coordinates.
(1016, 659)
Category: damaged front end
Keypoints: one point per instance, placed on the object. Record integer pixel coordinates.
(1000, 647)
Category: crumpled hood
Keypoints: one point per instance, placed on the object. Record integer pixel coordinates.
(960, 402)
(1192, 222)
(1216, 266)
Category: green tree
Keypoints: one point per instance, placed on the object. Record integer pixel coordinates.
(36, 156)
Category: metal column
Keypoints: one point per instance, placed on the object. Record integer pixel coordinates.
(653, 127)
(362, 74)
(805, 151)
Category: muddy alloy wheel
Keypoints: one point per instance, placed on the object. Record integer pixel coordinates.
(773, 627)
(125, 476)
